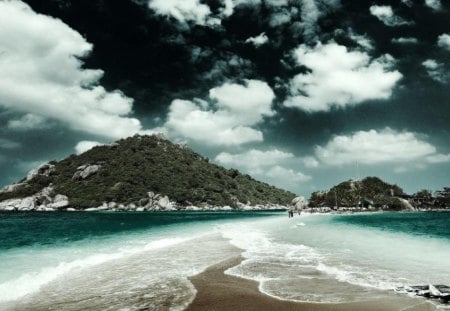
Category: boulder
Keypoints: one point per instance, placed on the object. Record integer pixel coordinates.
(59, 201)
(42, 199)
(27, 204)
(299, 203)
(38, 201)
(10, 205)
(240, 205)
(85, 171)
(164, 203)
(131, 207)
(112, 205)
(48, 191)
(44, 169)
(82, 167)
(22, 204)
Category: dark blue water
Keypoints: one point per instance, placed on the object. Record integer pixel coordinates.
(40, 228)
(430, 224)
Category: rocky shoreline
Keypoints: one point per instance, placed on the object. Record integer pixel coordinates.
(46, 201)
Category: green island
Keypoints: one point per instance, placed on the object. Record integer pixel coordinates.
(140, 173)
(372, 193)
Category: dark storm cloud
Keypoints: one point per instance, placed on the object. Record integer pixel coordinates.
(153, 60)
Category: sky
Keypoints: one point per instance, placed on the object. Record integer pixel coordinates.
(301, 94)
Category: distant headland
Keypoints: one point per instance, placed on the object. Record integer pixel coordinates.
(372, 193)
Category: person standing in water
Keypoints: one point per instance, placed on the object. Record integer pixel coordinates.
(290, 213)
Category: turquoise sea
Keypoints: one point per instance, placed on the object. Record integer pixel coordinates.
(133, 261)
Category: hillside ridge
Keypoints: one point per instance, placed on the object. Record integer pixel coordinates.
(144, 172)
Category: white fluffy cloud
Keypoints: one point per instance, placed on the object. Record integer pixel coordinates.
(339, 77)
(86, 145)
(407, 2)
(254, 161)
(184, 11)
(362, 40)
(42, 75)
(435, 70)
(444, 41)
(29, 122)
(385, 14)
(405, 40)
(258, 40)
(310, 162)
(286, 174)
(434, 4)
(283, 11)
(268, 165)
(228, 117)
(377, 147)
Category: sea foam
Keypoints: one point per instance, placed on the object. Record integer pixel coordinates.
(31, 282)
(290, 261)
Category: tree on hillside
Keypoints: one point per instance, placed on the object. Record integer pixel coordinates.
(443, 197)
(317, 198)
(424, 193)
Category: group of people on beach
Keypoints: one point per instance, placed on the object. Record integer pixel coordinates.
(291, 213)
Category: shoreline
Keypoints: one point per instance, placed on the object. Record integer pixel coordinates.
(220, 292)
(216, 209)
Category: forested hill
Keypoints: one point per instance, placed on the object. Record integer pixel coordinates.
(127, 170)
(370, 190)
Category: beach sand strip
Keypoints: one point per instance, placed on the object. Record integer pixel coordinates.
(217, 291)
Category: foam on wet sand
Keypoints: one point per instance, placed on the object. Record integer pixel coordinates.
(219, 291)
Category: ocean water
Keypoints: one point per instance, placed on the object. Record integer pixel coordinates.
(133, 261)
(344, 258)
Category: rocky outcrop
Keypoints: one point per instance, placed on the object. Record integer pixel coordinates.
(407, 205)
(44, 169)
(47, 200)
(59, 201)
(159, 203)
(85, 171)
(299, 203)
(44, 200)
(165, 204)
(13, 187)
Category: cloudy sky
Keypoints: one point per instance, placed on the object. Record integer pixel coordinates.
(298, 93)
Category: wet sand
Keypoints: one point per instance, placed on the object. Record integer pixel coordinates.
(217, 291)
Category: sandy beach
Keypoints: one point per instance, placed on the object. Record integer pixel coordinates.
(217, 291)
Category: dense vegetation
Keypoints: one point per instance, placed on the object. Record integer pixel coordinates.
(369, 191)
(443, 196)
(134, 166)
